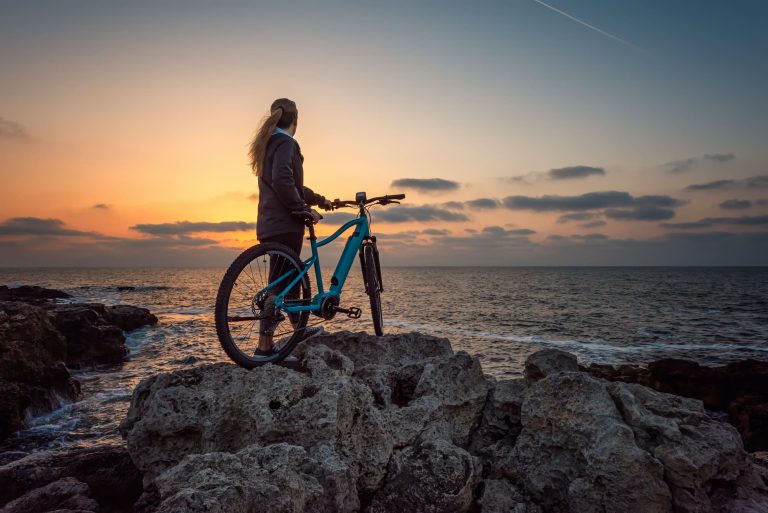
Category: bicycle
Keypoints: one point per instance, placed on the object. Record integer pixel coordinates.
(247, 297)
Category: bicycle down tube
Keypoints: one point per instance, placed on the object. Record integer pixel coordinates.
(340, 273)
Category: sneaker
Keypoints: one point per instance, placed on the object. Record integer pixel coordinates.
(288, 359)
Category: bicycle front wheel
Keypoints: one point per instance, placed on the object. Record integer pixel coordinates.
(373, 288)
(243, 305)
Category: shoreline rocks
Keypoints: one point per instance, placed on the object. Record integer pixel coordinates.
(33, 377)
(740, 389)
(92, 479)
(401, 422)
(40, 340)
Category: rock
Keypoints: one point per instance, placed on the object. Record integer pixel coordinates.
(112, 479)
(33, 378)
(326, 417)
(66, 494)
(432, 476)
(548, 361)
(501, 422)
(38, 339)
(90, 341)
(740, 389)
(128, 318)
(419, 384)
(401, 423)
(220, 407)
(586, 444)
(94, 332)
(30, 293)
(501, 496)
(279, 477)
(576, 454)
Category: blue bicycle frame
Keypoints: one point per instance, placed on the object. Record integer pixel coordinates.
(361, 232)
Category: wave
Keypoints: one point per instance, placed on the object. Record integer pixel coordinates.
(577, 345)
(124, 288)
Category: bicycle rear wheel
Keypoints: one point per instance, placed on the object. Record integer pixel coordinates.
(373, 288)
(243, 303)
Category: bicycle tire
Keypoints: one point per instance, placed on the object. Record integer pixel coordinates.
(373, 289)
(224, 295)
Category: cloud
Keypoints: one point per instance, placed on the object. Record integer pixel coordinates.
(426, 184)
(757, 182)
(101, 206)
(753, 182)
(498, 231)
(404, 214)
(519, 179)
(720, 157)
(483, 203)
(253, 197)
(640, 213)
(567, 173)
(588, 201)
(38, 226)
(435, 231)
(681, 166)
(184, 227)
(12, 130)
(576, 216)
(711, 186)
(618, 205)
(587, 237)
(453, 205)
(659, 201)
(709, 222)
(735, 204)
(593, 224)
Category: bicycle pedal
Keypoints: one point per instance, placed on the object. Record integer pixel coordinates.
(352, 312)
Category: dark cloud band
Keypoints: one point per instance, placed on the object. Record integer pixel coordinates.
(571, 172)
(426, 184)
(184, 227)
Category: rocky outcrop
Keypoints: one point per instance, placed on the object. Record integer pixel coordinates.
(39, 338)
(95, 479)
(740, 389)
(401, 423)
(30, 293)
(94, 332)
(33, 377)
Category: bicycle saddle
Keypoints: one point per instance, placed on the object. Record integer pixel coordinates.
(307, 216)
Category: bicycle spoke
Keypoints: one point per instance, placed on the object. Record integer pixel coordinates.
(247, 308)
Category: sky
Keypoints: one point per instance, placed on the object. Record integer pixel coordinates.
(523, 132)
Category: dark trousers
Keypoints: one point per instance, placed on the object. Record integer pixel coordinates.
(279, 266)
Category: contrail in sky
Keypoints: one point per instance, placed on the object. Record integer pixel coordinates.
(603, 32)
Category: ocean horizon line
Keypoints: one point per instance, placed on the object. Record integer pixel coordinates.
(576, 266)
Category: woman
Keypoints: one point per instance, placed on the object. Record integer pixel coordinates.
(276, 160)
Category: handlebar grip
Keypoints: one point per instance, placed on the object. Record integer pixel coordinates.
(396, 196)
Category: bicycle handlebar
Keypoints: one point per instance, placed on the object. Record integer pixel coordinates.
(383, 200)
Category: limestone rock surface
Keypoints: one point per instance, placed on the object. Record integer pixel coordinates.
(402, 423)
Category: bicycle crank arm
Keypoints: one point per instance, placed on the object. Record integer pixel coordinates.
(352, 312)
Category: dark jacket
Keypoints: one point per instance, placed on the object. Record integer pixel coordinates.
(281, 188)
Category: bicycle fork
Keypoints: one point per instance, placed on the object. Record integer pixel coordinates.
(370, 241)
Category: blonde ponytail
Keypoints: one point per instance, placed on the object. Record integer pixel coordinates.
(283, 113)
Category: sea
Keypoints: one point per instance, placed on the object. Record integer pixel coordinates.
(607, 315)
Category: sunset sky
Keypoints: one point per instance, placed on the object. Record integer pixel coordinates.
(588, 132)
